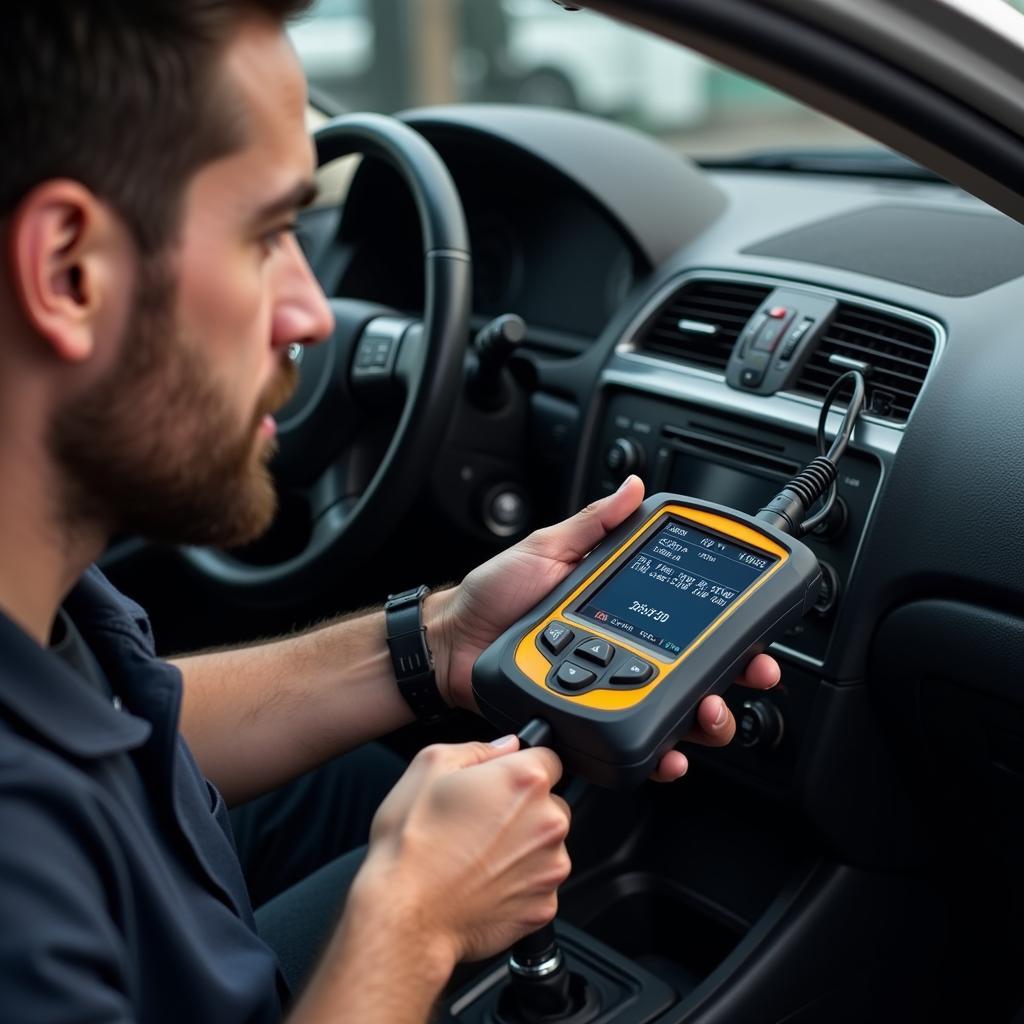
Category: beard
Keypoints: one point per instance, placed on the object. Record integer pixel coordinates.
(152, 449)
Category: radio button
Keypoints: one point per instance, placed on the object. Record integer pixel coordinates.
(574, 677)
(769, 335)
(631, 672)
(828, 590)
(557, 637)
(759, 724)
(599, 651)
(624, 456)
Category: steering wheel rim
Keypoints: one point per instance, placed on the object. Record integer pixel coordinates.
(350, 527)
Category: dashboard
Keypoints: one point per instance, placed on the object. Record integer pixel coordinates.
(682, 324)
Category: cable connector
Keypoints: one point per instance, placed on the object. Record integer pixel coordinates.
(788, 509)
(536, 733)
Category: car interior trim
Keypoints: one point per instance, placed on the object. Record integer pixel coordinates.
(989, 250)
(756, 404)
(700, 388)
(689, 202)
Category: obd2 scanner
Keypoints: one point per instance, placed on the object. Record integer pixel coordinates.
(669, 608)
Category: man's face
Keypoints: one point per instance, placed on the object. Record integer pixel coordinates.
(174, 442)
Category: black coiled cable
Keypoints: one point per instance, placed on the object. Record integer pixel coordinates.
(814, 479)
(787, 510)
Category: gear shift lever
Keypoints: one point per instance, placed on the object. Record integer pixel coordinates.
(541, 987)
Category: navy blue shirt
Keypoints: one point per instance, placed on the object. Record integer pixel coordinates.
(121, 896)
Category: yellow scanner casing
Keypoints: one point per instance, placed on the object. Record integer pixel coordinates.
(614, 728)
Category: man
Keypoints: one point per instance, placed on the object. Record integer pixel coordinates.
(150, 286)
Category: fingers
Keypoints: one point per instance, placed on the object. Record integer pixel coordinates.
(541, 760)
(452, 756)
(536, 768)
(671, 767)
(762, 673)
(564, 807)
(715, 726)
(571, 539)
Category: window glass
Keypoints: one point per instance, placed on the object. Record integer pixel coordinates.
(387, 55)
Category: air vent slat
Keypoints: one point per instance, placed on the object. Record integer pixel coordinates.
(874, 354)
(899, 351)
(734, 323)
(739, 290)
(890, 374)
(875, 336)
(822, 386)
(698, 311)
(672, 332)
(882, 320)
(725, 306)
(714, 316)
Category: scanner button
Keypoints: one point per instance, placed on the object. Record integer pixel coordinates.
(596, 650)
(557, 637)
(574, 677)
(630, 672)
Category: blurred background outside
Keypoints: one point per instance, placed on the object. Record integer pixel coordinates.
(389, 55)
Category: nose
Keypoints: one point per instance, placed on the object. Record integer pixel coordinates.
(302, 314)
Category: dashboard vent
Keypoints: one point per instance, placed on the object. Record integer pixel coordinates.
(700, 323)
(900, 352)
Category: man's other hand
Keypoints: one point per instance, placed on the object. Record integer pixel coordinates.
(497, 593)
(469, 848)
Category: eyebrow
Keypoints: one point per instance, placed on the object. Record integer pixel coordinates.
(297, 197)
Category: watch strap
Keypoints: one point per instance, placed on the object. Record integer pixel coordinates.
(410, 655)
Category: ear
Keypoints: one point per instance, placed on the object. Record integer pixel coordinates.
(68, 250)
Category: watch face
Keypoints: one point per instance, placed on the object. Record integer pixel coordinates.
(406, 597)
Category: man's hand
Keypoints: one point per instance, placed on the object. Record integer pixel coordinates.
(501, 590)
(469, 847)
(465, 857)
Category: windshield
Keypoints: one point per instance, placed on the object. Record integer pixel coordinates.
(994, 13)
(387, 55)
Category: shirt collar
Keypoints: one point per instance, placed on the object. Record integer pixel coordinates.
(41, 691)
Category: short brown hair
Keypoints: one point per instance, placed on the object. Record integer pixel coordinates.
(119, 95)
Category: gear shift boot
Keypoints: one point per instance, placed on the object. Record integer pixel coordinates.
(605, 987)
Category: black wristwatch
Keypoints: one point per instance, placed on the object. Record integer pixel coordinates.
(410, 655)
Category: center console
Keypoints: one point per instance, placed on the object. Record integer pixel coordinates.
(718, 901)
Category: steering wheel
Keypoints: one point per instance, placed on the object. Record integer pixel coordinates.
(376, 356)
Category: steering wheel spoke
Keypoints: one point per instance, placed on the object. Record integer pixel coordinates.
(411, 357)
(339, 484)
(378, 367)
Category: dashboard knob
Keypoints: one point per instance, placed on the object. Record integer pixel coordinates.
(505, 509)
(623, 457)
(759, 724)
(828, 590)
(834, 523)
